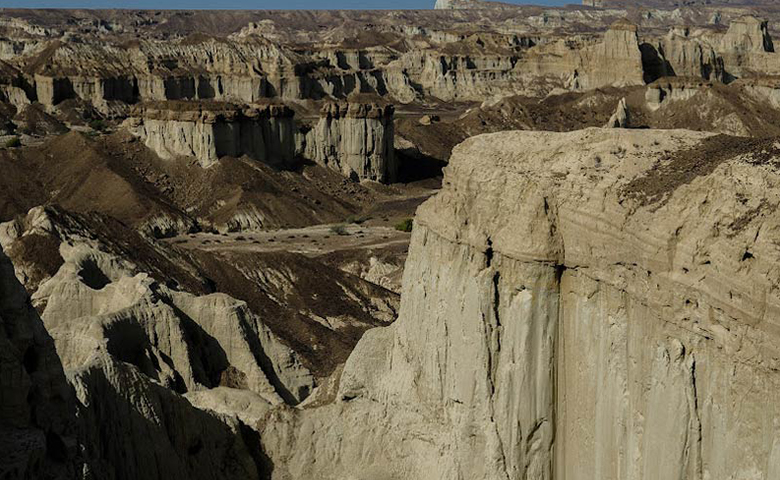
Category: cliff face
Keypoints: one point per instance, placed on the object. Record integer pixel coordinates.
(614, 60)
(674, 3)
(37, 421)
(208, 131)
(743, 51)
(356, 140)
(532, 54)
(748, 34)
(160, 382)
(600, 312)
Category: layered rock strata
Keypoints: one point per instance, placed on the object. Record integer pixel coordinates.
(208, 131)
(614, 60)
(445, 60)
(605, 311)
(355, 139)
(748, 34)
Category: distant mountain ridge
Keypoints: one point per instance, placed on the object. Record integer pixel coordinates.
(471, 4)
(677, 3)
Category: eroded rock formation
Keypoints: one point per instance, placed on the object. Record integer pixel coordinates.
(455, 4)
(532, 53)
(150, 367)
(621, 118)
(209, 131)
(748, 34)
(37, 417)
(570, 315)
(355, 139)
(598, 304)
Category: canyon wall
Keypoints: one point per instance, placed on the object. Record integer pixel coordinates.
(455, 4)
(356, 140)
(606, 311)
(210, 130)
(434, 63)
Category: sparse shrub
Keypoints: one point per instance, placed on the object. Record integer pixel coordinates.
(405, 225)
(339, 229)
(357, 219)
(13, 142)
(97, 125)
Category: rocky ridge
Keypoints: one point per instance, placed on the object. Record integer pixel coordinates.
(78, 428)
(404, 67)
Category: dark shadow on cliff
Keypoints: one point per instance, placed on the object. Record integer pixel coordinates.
(414, 166)
(134, 428)
(37, 401)
(252, 440)
(654, 64)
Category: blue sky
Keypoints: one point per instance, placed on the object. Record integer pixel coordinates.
(243, 4)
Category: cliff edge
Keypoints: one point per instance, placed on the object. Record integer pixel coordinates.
(590, 312)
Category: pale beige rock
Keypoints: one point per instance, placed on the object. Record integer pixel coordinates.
(208, 131)
(95, 304)
(621, 118)
(125, 344)
(133, 428)
(554, 314)
(248, 406)
(356, 140)
(15, 96)
(456, 4)
(614, 60)
(748, 34)
(100, 302)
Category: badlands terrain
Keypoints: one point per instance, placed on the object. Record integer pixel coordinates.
(479, 241)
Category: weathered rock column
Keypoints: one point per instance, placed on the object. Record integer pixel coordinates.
(356, 140)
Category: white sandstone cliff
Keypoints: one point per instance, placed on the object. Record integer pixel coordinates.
(593, 304)
(208, 131)
(356, 140)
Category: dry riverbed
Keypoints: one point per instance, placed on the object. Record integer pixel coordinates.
(312, 241)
